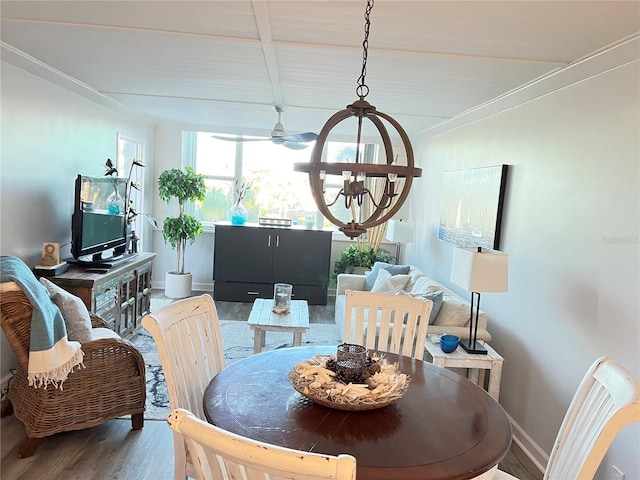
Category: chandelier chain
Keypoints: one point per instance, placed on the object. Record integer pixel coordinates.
(368, 208)
(362, 90)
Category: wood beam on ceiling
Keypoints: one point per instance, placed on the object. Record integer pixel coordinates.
(264, 31)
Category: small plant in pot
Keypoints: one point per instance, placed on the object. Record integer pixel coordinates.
(182, 185)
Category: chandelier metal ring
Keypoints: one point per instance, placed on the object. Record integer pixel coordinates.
(356, 191)
(317, 169)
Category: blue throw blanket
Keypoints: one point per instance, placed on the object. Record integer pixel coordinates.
(51, 356)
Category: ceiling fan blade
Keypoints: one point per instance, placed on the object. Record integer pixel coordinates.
(232, 139)
(301, 137)
(296, 145)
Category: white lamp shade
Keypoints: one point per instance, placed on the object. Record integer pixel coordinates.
(480, 272)
(399, 231)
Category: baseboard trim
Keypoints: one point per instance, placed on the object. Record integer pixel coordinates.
(198, 287)
(531, 449)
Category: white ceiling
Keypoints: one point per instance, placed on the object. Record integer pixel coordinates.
(222, 65)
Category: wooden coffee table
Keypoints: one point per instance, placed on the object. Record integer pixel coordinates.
(262, 319)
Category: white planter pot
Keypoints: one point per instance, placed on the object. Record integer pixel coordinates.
(177, 285)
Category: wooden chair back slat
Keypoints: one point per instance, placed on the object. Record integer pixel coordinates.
(607, 400)
(388, 323)
(221, 454)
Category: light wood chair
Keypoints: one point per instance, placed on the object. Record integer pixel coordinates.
(220, 454)
(187, 334)
(607, 400)
(387, 323)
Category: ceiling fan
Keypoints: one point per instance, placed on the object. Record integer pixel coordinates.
(278, 136)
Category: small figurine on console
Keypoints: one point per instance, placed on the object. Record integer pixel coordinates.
(133, 242)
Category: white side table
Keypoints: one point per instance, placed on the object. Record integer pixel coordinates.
(459, 358)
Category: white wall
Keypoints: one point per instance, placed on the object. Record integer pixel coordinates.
(49, 135)
(571, 227)
(198, 256)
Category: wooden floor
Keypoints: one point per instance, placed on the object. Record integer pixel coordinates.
(114, 451)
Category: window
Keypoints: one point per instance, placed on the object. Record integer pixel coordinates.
(277, 191)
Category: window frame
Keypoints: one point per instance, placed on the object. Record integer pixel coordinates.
(189, 152)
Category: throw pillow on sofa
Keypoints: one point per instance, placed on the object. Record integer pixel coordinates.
(371, 278)
(75, 313)
(435, 297)
(387, 283)
(424, 285)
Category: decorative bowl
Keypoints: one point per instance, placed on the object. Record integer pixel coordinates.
(323, 388)
(448, 343)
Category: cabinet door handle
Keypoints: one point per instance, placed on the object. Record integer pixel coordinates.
(269, 241)
(253, 293)
(277, 241)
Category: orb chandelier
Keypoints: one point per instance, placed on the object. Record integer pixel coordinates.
(372, 192)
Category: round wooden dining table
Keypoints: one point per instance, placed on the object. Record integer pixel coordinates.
(444, 427)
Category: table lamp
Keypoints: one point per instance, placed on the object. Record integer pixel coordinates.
(399, 231)
(479, 272)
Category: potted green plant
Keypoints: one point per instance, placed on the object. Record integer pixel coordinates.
(182, 185)
(355, 256)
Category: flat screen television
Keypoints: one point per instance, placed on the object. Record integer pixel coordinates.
(98, 224)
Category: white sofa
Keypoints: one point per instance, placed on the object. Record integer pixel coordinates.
(453, 314)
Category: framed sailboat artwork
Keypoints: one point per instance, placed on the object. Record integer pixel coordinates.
(471, 206)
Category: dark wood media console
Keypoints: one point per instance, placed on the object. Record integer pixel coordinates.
(249, 259)
(121, 295)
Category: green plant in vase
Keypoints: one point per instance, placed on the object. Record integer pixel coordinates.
(127, 206)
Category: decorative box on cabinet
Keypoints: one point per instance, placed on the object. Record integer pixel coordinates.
(121, 295)
(249, 259)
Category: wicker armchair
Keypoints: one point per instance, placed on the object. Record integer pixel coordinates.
(111, 385)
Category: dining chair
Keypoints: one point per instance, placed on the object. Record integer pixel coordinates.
(189, 342)
(607, 400)
(389, 323)
(218, 453)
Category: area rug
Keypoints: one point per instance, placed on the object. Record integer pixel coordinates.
(237, 339)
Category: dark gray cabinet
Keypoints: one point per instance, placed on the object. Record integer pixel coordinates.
(248, 260)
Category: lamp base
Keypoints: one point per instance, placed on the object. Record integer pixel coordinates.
(469, 347)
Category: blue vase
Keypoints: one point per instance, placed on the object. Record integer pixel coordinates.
(115, 204)
(238, 214)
